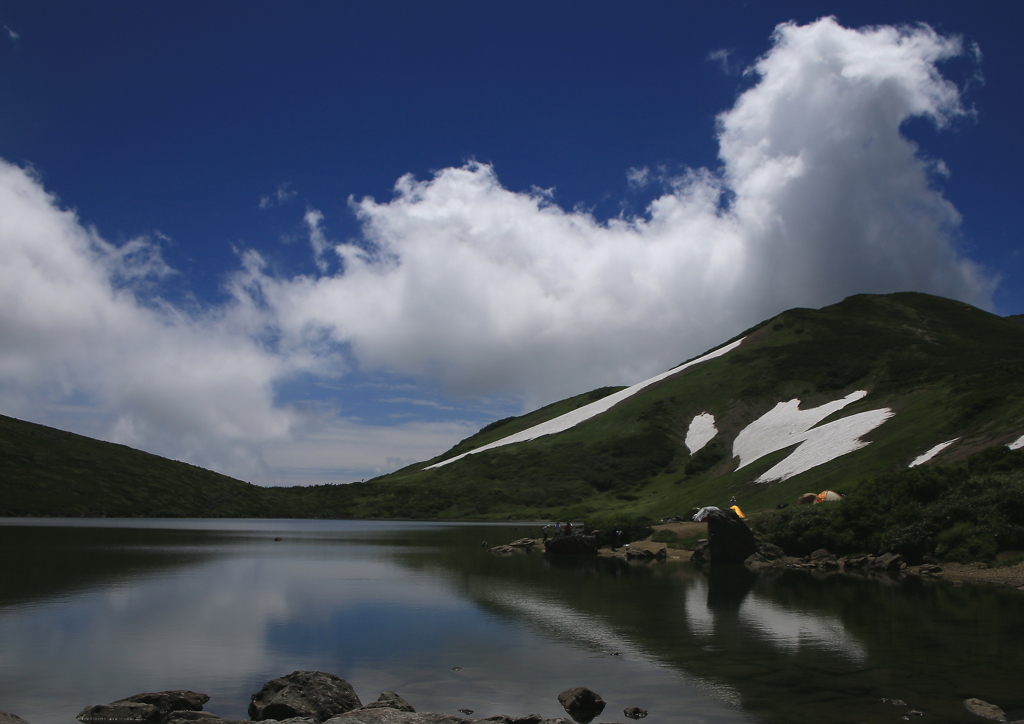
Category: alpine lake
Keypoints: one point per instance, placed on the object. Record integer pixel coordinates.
(96, 610)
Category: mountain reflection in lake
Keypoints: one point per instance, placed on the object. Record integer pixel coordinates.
(91, 611)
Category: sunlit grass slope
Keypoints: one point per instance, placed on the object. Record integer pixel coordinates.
(945, 369)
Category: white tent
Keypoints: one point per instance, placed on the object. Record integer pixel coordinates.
(703, 513)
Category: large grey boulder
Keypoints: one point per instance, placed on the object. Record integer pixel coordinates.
(313, 694)
(581, 703)
(729, 538)
(7, 717)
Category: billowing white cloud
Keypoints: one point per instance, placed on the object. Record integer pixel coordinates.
(819, 196)
(484, 289)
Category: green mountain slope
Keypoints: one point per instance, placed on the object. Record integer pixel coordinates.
(943, 369)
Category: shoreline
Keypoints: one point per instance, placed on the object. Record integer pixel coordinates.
(957, 574)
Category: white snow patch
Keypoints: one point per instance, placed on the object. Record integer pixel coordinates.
(1017, 444)
(571, 419)
(786, 425)
(782, 426)
(701, 431)
(921, 459)
(827, 443)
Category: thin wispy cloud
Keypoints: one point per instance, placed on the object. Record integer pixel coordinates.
(722, 58)
(281, 195)
(465, 283)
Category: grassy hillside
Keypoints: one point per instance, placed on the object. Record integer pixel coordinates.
(47, 472)
(944, 368)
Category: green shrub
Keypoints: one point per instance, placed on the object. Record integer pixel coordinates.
(961, 513)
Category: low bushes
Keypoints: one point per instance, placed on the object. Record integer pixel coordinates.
(954, 513)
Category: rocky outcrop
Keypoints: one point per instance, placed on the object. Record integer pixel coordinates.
(581, 703)
(313, 694)
(7, 717)
(729, 540)
(573, 545)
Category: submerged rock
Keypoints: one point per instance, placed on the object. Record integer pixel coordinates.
(313, 694)
(984, 709)
(581, 703)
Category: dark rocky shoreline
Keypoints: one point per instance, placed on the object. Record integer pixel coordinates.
(314, 697)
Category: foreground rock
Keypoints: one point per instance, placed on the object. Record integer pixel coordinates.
(313, 694)
(305, 697)
(158, 706)
(7, 717)
(729, 540)
(581, 703)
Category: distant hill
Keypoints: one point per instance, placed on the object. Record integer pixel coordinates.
(807, 400)
(48, 472)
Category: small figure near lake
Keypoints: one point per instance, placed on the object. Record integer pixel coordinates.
(544, 532)
(568, 527)
(558, 528)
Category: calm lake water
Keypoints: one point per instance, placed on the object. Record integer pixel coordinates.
(95, 610)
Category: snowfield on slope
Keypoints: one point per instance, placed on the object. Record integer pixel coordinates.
(921, 459)
(571, 419)
(786, 425)
(702, 430)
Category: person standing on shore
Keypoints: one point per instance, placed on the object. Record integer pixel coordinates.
(558, 528)
(568, 527)
(544, 532)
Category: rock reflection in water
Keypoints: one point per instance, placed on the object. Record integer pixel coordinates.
(722, 602)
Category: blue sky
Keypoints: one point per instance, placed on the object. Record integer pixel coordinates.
(311, 242)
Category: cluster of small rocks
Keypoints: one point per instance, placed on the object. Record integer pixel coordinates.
(771, 556)
(314, 697)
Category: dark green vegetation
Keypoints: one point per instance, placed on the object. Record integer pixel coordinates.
(962, 513)
(47, 472)
(946, 369)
